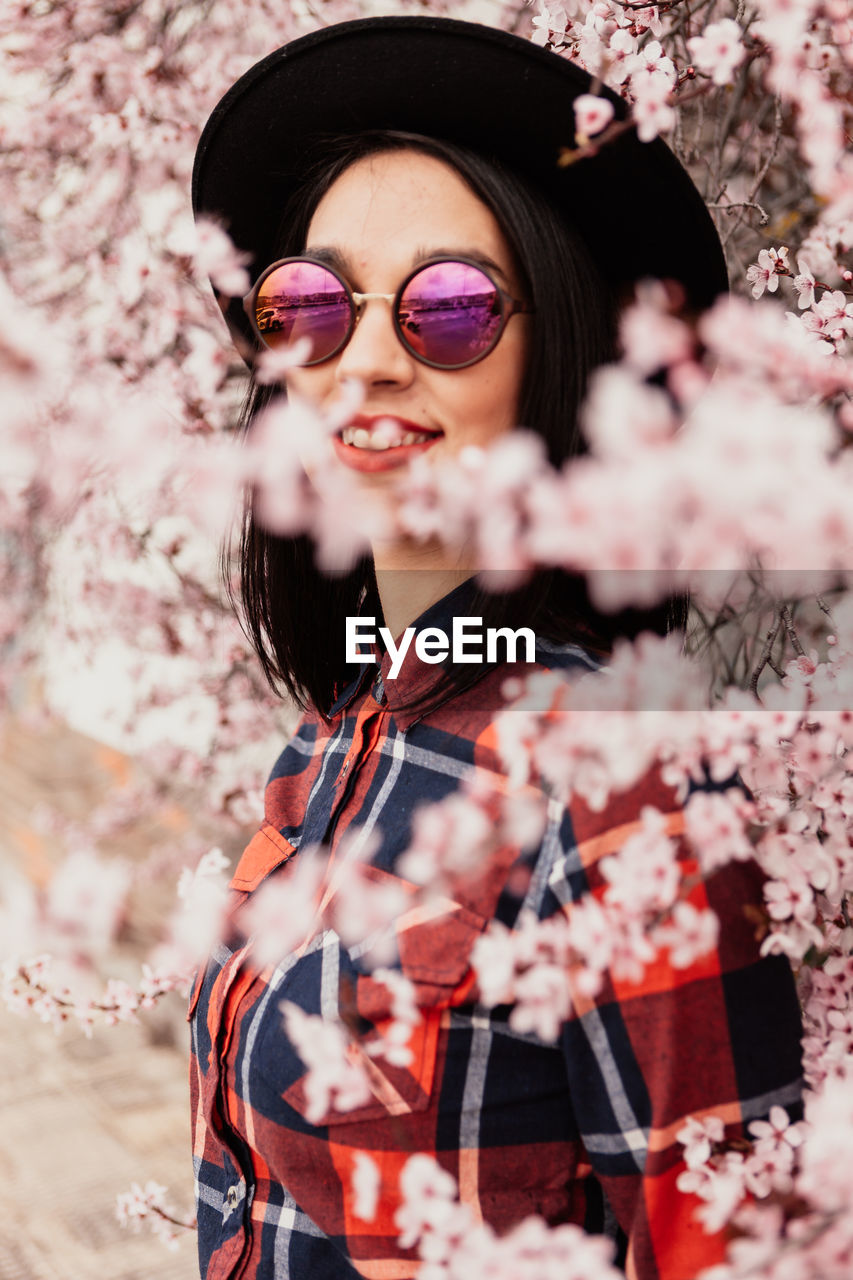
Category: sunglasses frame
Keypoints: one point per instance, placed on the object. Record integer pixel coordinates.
(509, 307)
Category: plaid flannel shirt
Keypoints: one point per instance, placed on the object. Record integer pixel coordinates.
(579, 1131)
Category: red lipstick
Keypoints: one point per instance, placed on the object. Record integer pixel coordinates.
(352, 448)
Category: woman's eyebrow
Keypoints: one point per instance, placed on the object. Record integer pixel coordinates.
(332, 256)
(339, 260)
(474, 255)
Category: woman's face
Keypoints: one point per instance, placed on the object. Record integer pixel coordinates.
(381, 218)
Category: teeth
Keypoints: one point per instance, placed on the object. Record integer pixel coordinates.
(361, 438)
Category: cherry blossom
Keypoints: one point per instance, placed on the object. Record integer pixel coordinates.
(719, 50)
(283, 913)
(215, 256)
(764, 274)
(549, 22)
(804, 283)
(620, 52)
(592, 114)
(452, 1245)
(698, 1138)
(393, 1044)
(428, 1193)
(653, 112)
(149, 1204)
(367, 1182)
(31, 987)
(334, 1079)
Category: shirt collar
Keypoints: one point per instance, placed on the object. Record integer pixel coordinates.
(349, 691)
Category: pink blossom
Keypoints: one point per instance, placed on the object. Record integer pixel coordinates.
(804, 283)
(648, 19)
(493, 958)
(591, 935)
(217, 257)
(149, 1204)
(196, 925)
(274, 363)
(134, 1205)
(650, 336)
(361, 909)
(718, 50)
(835, 314)
(550, 22)
(722, 1192)
(622, 415)
(622, 48)
(652, 111)
(405, 1015)
(791, 898)
(777, 1129)
(716, 827)
(542, 1001)
(366, 1185)
(698, 1137)
(86, 900)
(691, 934)
(651, 64)
(335, 1078)
(764, 274)
(448, 839)
(428, 1193)
(644, 875)
(122, 1002)
(825, 1155)
(283, 912)
(592, 115)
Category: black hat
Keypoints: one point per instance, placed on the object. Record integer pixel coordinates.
(496, 93)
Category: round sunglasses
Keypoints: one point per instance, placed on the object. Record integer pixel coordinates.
(448, 313)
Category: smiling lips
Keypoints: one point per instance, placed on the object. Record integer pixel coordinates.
(382, 443)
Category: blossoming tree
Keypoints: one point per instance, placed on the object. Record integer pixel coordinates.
(722, 446)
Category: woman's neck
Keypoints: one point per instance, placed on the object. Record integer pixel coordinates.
(410, 580)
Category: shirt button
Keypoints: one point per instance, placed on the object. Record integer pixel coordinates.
(345, 769)
(233, 1197)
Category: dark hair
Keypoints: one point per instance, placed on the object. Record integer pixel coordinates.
(573, 329)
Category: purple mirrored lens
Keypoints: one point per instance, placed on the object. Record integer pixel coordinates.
(450, 313)
(303, 300)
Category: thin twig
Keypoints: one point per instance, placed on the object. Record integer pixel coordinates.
(771, 155)
(764, 216)
(662, 6)
(824, 608)
(785, 615)
(175, 1222)
(764, 659)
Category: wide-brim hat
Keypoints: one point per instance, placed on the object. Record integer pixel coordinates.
(499, 94)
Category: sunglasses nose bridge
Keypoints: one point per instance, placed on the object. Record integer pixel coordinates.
(361, 298)
(375, 351)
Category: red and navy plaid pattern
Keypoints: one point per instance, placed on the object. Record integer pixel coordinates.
(582, 1131)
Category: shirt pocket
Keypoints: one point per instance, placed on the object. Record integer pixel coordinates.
(265, 852)
(434, 943)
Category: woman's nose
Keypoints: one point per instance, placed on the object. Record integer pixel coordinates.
(375, 353)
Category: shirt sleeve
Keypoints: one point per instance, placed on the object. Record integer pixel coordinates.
(722, 1036)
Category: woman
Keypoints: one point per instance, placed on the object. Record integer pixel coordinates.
(446, 260)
